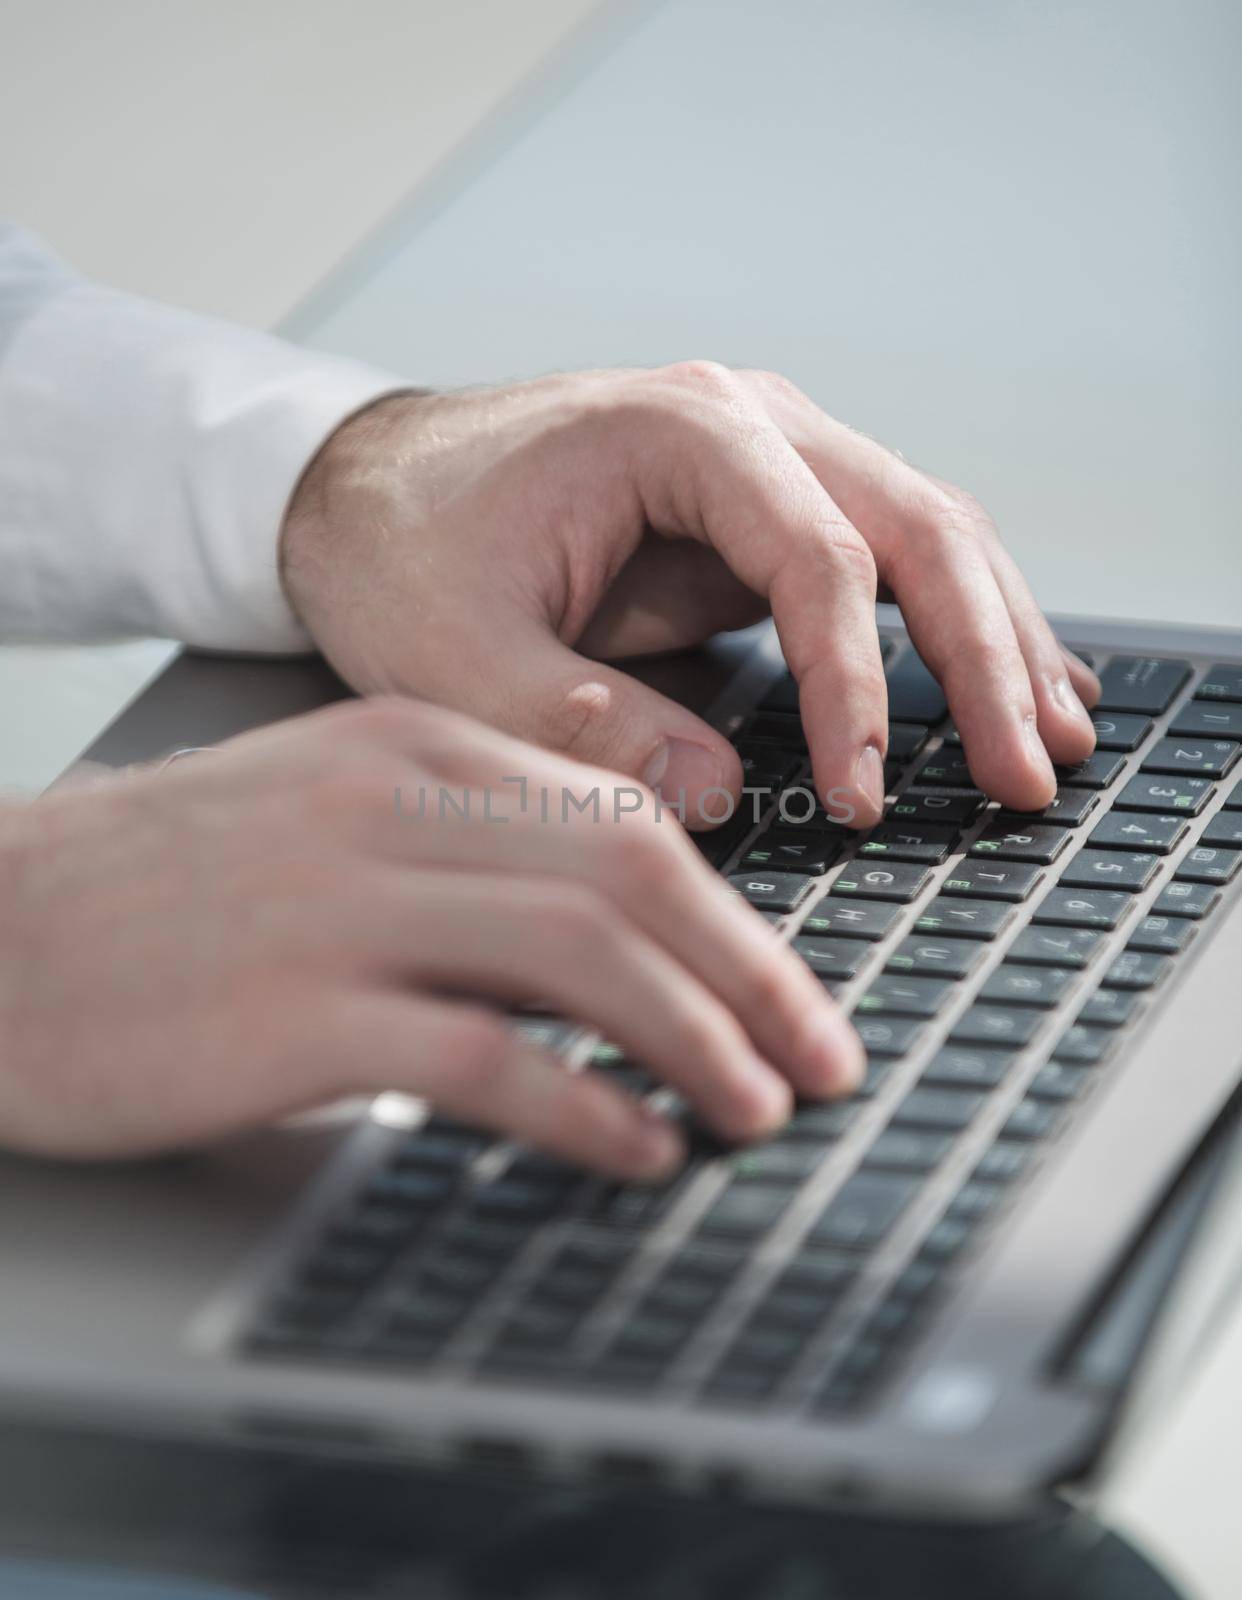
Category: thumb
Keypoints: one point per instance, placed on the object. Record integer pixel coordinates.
(599, 715)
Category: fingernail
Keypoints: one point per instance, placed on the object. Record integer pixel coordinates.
(869, 776)
(681, 770)
(1035, 745)
(1063, 694)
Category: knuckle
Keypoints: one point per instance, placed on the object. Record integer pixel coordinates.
(478, 1047)
(575, 917)
(389, 718)
(588, 721)
(711, 378)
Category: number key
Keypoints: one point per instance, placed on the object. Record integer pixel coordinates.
(1126, 831)
(1185, 795)
(1212, 758)
(1113, 869)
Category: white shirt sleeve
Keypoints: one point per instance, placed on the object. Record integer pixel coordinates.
(146, 459)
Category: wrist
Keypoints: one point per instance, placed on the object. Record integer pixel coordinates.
(340, 492)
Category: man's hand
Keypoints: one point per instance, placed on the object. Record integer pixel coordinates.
(299, 916)
(481, 549)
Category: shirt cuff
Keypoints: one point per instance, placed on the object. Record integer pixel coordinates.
(147, 459)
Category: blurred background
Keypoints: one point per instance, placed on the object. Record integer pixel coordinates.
(1004, 237)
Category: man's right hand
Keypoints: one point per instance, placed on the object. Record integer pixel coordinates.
(260, 930)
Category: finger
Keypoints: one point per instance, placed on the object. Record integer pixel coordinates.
(671, 594)
(1064, 726)
(472, 932)
(723, 472)
(470, 1064)
(931, 556)
(1086, 684)
(644, 864)
(598, 715)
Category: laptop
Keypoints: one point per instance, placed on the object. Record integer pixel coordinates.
(950, 1291)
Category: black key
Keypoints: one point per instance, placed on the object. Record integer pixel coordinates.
(1141, 683)
(916, 842)
(1031, 1120)
(1221, 682)
(476, 1238)
(913, 694)
(1136, 969)
(1069, 808)
(776, 1163)
(1204, 719)
(1185, 900)
(1058, 1082)
(945, 769)
(771, 891)
(947, 958)
(1233, 800)
(637, 1205)
(974, 1201)
(895, 995)
(426, 1315)
(1208, 864)
(730, 1385)
(787, 1308)
(1003, 1162)
(1096, 772)
(791, 850)
(819, 1122)
(1011, 984)
(877, 1070)
(1224, 828)
(905, 740)
(895, 880)
(1085, 1046)
(975, 919)
(869, 921)
(992, 880)
(948, 1238)
(1116, 869)
(773, 1348)
(1059, 947)
(1114, 730)
(1083, 908)
(907, 1150)
(746, 1209)
(1122, 830)
(410, 1190)
(945, 1110)
(782, 730)
(924, 805)
(440, 1144)
(819, 1272)
(864, 1210)
(767, 767)
(718, 845)
(344, 1265)
(1165, 936)
(832, 958)
(1109, 1008)
(507, 1198)
(1009, 1026)
(1211, 758)
(888, 1036)
(1185, 796)
(1037, 842)
(959, 1067)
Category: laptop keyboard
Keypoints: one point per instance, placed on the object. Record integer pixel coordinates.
(994, 965)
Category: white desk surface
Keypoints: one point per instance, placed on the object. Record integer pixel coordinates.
(1005, 237)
